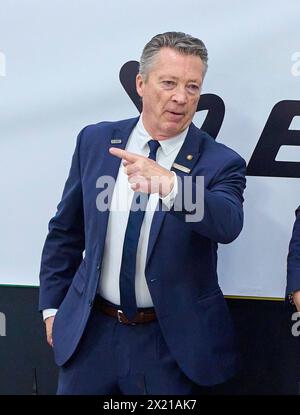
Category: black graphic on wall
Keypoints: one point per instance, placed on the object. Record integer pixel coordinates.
(276, 134)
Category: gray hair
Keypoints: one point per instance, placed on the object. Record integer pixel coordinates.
(179, 41)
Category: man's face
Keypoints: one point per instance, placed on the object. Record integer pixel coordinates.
(170, 93)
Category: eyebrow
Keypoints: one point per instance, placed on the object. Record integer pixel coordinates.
(175, 78)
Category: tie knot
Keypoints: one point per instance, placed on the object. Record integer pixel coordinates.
(153, 145)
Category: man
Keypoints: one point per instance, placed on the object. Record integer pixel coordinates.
(293, 264)
(142, 312)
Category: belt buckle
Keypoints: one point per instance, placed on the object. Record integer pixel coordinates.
(120, 313)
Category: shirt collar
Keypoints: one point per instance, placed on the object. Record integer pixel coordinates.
(167, 146)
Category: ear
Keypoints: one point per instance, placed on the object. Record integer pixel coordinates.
(139, 82)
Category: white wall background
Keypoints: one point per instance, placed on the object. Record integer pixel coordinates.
(62, 61)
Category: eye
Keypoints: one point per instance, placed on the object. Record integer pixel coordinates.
(193, 88)
(168, 84)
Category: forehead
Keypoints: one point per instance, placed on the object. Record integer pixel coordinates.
(169, 62)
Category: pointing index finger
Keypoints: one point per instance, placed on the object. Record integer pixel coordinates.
(123, 154)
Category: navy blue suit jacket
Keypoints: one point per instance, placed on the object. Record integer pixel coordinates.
(293, 260)
(181, 266)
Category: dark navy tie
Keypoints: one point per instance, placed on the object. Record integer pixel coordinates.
(132, 234)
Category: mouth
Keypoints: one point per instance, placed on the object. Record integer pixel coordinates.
(175, 115)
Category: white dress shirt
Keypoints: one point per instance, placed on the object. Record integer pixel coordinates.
(118, 218)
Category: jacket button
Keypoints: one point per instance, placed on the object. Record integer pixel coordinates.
(91, 302)
(153, 280)
(98, 267)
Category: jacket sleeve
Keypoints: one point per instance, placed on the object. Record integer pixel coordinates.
(222, 218)
(293, 259)
(64, 245)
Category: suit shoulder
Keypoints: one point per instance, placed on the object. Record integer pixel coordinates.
(106, 126)
(218, 150)
(94, 136)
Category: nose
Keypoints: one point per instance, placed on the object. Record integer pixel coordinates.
(180, 96)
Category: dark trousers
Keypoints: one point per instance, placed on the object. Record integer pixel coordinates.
(113, 358)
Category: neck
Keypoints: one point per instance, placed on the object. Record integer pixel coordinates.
(153, 134)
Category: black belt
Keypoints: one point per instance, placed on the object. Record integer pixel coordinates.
(143, 316)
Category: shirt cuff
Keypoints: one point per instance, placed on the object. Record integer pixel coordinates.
(168, 200)
(49, 312)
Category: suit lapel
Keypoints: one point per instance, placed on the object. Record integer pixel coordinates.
(183, 165)
(110, 167)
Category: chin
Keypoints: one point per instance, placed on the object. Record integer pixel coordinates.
(172, 130)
